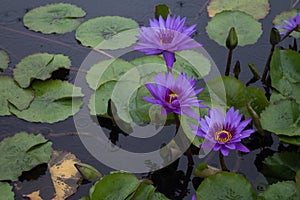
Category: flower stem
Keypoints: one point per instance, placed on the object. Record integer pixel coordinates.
(222, 162)
(229, 58)
(267, 67)
(184, 141)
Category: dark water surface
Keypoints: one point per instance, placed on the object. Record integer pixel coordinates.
(20, 42)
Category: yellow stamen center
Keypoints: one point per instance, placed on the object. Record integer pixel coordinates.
(223, 136)
(172, 96)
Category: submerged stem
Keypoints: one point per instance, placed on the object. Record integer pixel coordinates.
(222, 162)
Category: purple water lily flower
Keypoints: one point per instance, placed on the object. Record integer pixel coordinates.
(165, 37)
(223, 132)
(290, 25)
(194, 197)
(174, 95)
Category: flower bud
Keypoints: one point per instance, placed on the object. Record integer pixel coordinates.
(274, 36)
(237, 69)
(232, 39)
(254, 71)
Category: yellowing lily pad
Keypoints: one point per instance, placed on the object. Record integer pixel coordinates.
(248, 30)
(257, 8)
(11, 93)
(64, 175)
(109, 32)
(39, 66)
(52, 102)
(53, 18)
(34, 195)
(22, 152)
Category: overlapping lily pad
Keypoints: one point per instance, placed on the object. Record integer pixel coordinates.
(11, 93)
(4, 60)
(225, 184)
(22, 152)
(282, 191)
(52, 102)
(54, 18)
(108, 32)
(285, 15)
(39, 66)
(257, 8)
(6, 191)
(247, 28)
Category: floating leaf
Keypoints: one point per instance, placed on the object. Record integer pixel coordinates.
(22, 152)
(34, 195)
(52, 102)
(4, 60)
(297, 178)
(281, 166)
(282, 118)
(88, 172)
(146, 191)
(39, 66)
(53, 18)
(64, 175)
(226, 185)
(257, 8)
(13, 94)
(203, 170)
(107, 70)
(109, 32)
(117, 186)
(295, 140)
(285, 15)
(285, 73)
(282, 191)
(6, 191)
(247, 28)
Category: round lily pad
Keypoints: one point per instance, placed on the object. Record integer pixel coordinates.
(4, 60)
(248, 30)
(22, 152)
(286, 190)
(285, 15)
(52, 102)
(39, 66)
(11, 93)
(257, 8)
(53, 18)
(226, 185)
(6, 191)
(109, 32)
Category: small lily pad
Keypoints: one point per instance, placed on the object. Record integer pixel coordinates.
(52, 102)
(257, 8)
(285, 15)
(39, 66)
(108, 32)
(295, 140)
(4, 60)
(11, 93)
(6, 191)
(22, 152)
(226, 185)
(53, 18)
(286, 190)
(248, 30)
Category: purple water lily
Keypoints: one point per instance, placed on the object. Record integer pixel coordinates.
(174, 95)
(223, 132)
(290, 25)
(165, 37)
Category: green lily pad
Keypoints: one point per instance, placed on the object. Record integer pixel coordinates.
(297, 178)
(39, 66)
(282, 191)
(281, 166)
(117, 186)
(109, 32)
(282, 118)
(4, 60)
(52, 102)
(232, 92)
(6, 192)
(146, 191)
(248, 30)
(226, 185)
(285, 15)
(11, 93)
(53, 18)
(22, 152)
(107, 70)
(295, 140)
(285, 73)
(257, 8)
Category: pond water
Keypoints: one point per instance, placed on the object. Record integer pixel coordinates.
(20, 42)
